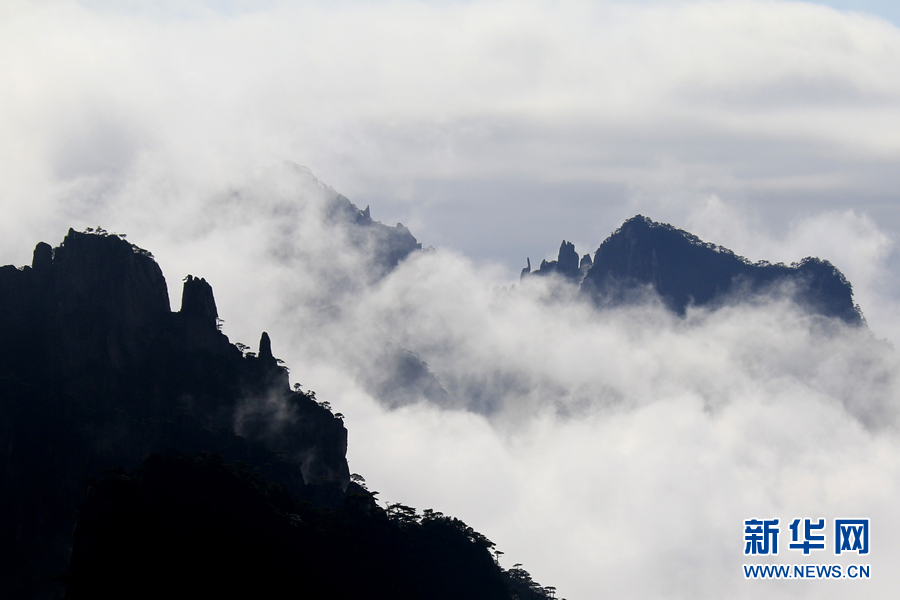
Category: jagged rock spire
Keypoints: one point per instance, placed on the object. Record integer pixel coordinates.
(265, 347)
(566, 264)
(567, 260)
(197, 299)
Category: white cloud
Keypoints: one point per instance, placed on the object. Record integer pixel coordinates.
(621, 451)
(747, 96)
(625, 448)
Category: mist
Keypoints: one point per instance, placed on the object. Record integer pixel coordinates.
(612, 451)
(615, 452)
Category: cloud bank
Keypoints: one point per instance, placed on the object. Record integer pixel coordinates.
(613, 453)
(619, 451)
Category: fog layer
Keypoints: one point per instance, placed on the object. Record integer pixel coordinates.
(615, 453)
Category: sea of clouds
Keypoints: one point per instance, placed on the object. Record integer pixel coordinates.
(614, 453)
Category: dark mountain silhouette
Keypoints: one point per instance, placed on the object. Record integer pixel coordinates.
(201, 528)
(643, 256)
(218, 476)
(566, 264)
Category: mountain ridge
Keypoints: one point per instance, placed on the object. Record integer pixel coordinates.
(172, 453)
(97, 372)
(644, 256)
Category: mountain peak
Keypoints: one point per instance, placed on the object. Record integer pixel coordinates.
(684, 271)
(96, 371)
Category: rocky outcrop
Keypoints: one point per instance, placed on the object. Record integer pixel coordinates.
(97, 372)
(527, 270)
(110, 302)
(197, 301)
(182, 461)
(585, 265)
(566, 264)
(643, 255)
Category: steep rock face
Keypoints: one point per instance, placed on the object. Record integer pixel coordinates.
(197, 300)
(684, 270)
(96, 372)
(237, 484)
(110, 301)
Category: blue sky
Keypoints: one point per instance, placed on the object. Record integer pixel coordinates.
(883, 8)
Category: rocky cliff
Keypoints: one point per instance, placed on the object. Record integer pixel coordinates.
(566, 264)
(97, 372)
(142, 455)
(645, 257)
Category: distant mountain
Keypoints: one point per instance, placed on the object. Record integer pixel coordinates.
(566, 265)
(386, 245)
(643, 255)
(183, 462)
(398, 376)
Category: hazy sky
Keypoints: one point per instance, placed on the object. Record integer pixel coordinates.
(627, 447)
(497, 128)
